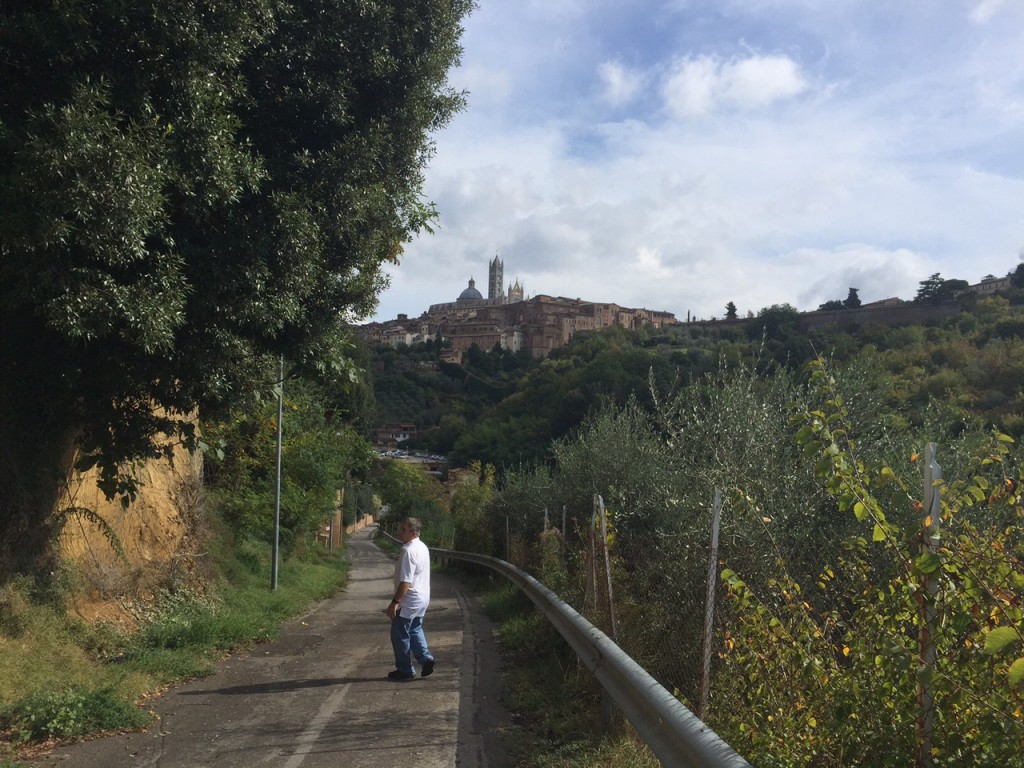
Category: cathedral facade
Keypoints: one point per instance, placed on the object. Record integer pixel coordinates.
(471, 298)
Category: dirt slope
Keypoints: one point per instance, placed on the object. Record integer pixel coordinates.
(154, 532)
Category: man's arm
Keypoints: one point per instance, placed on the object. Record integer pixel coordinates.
(396, 601)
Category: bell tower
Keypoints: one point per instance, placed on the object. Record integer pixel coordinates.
(495, 284)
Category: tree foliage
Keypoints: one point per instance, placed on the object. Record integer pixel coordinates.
(405, 490)
(910, 648)
(958, 373)
(473, 530)
(186, 189)
(817, 658)
(318, 458)
(936, 289)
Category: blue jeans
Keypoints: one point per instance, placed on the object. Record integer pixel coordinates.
(407, 636)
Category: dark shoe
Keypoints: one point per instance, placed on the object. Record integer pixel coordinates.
(397, 674)
(428, 668)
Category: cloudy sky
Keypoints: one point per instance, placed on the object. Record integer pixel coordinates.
(681, 154)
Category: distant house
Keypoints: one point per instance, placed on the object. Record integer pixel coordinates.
(452, 356)
(990, 284)
(393, 433)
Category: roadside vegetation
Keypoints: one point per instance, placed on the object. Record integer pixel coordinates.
(553, 701)
(819, 653)
(61, 678)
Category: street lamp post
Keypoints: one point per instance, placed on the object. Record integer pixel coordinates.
(277, 496)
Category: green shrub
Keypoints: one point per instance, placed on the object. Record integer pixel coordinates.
(69, 713)
(183, 619)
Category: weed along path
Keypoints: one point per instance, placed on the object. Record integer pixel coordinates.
(319, 695)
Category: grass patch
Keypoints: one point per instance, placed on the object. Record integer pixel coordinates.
(611, 752)
(553, 699)
(63, 679)
(70, 713)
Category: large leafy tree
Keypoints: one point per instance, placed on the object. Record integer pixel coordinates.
(188, 190)
(937, 289)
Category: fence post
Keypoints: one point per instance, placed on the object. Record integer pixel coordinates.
(609, 711)
(709, 605)
(561, 550)
(608, 571)
(931, 538)
(592, 575)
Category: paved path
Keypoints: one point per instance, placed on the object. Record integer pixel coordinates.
(319, 696)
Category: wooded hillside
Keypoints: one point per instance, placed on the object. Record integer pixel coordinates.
(964, 371)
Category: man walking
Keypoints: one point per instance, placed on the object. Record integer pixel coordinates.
(407, 608)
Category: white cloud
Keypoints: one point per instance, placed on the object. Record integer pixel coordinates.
(700, 85)
(983, 11)
(896, 156)
(620, 85)
(761, 80)
(692, 87)
(649, 261)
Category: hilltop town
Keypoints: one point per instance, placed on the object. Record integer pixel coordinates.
(506, 318)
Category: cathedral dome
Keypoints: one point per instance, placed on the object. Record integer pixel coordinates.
(471, 292)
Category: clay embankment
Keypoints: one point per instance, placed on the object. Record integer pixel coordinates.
(156, 533)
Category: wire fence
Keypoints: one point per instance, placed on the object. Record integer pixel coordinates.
(629, 590)
(903, 646)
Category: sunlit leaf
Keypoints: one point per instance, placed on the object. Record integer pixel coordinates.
(929, 562)
(999, 639)
(1016, 674)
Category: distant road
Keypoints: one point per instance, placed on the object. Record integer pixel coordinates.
(318, 697)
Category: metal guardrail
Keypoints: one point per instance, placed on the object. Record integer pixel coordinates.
(676, 736)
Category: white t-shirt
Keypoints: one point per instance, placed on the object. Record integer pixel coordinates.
(413, 566)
